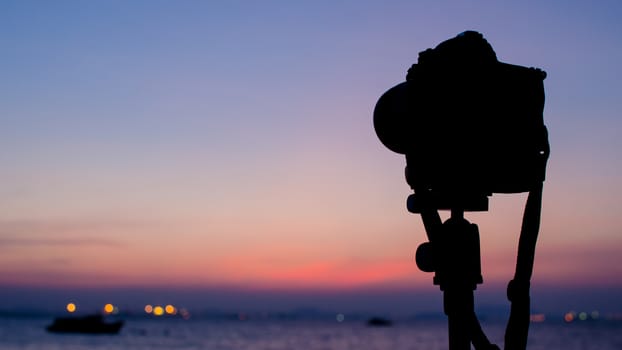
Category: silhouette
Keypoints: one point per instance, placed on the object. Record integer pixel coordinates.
(90, 324)
(469, 126)
(379, 322)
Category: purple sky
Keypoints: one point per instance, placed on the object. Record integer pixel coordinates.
(230, 144)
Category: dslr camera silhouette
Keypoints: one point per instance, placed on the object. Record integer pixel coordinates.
(468, 124)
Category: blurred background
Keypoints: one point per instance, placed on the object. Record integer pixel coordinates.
(222, 153)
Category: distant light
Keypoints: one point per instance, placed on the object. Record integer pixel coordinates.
(148, 308)
(170, 309)
(583, 316)
(158, 310)
(108, 308)
(614, 316)
(340, 317)
(537, 318)
(184, 313)
(71, 307)
(595, 315)
(569, 316)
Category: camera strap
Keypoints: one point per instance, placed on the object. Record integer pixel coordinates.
(518, 289)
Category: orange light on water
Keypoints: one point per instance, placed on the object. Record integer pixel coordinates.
(71, 307)
(170, 309)
(108, 308)
(158, 310)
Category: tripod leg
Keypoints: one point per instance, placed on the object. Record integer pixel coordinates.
(478, 338)
(458, 304)
(459, 338)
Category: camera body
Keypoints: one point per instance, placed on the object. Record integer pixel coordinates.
(468, 124)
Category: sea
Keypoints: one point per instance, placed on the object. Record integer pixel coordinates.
(29, 333)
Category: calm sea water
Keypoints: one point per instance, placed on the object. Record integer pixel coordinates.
(272, 335)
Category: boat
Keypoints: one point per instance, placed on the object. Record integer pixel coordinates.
(379, 322)
(91, 324)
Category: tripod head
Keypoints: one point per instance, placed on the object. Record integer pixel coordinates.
(468, 124)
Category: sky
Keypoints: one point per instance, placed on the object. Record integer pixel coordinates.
(228, 146)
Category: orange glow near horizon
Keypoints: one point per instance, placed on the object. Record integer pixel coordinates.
(280, 270)
(289, 254)
(326, 273)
